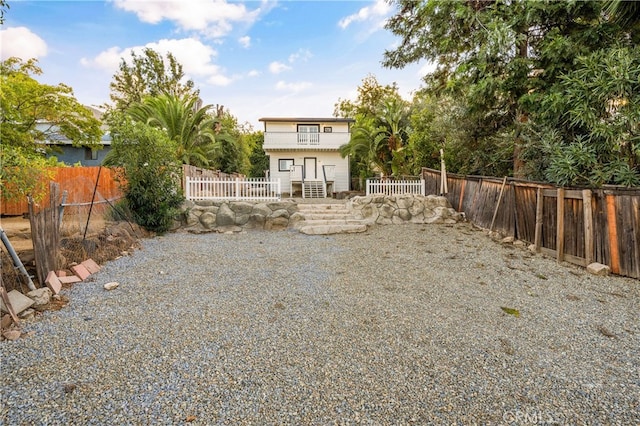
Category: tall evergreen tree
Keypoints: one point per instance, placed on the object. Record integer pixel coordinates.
(507, 61)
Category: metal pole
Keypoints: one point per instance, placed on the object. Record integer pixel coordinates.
(93, 197)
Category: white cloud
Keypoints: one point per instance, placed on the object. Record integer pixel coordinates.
(214, 18)
(219, 80)
(196, 58)
(245, 41)
(107, 60)
(277, 67)
(22, 43)
(293, 87)
(375, 14)
(427, 68)
(253, 73)
(301, 55)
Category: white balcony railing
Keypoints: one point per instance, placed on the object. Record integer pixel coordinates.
(295, 140)
(308, 139)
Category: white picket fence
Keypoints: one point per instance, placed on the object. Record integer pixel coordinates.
(395, 187)
(250, 189)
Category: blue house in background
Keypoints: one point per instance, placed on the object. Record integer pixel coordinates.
(63, 149)
(71, 155)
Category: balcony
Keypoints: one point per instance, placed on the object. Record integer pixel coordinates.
(305, 141)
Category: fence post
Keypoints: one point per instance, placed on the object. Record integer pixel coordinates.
(237, 188)
(61, 208)
(560, 225)
(495, 212)
(539, 210)
(423, 191)
(588, 226)
(187, 187)
(612, 226)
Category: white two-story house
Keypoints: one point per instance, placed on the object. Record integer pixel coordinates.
(304, 154)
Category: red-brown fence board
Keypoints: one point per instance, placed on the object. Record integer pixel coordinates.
(78, 182)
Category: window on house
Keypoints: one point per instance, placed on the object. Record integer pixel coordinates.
(284, 164)
(308, 134)
(90, 154)
(308, 128)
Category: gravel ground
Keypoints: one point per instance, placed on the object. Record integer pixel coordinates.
(401, 325)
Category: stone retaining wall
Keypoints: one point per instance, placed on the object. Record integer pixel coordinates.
(387, 210)
(223, 216)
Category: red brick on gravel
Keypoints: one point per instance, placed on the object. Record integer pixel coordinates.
(71, 279)
(81, 271)
(53, 282)
(91, 266)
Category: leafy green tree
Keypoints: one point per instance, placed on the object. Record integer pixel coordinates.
(437, 122)
(234, 152)
(191, 129)
(601, 104)
(30, 114)
(258, 159)
(149, 75)
(371, 95)
(151, 172)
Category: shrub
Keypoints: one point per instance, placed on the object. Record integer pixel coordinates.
(151, 173)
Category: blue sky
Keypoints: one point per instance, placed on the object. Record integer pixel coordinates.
(257, 58)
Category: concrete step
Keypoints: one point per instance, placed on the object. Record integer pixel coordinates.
(332, 229)
(326, 216)
(322, 207)
(343, 221)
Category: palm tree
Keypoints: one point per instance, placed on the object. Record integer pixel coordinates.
(624, 13)
(192, 129)
(394, 117)
(378, 141)
(366, 147)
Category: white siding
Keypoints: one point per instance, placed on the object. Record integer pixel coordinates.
(323, 158)
(272, 126)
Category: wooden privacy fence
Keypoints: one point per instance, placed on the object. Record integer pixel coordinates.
(79, 184)
(395, 186)
(194, 172)
(575, 225)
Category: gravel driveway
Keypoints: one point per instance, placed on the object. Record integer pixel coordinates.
(401, 325)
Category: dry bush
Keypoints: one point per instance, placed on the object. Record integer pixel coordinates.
(11, 277)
